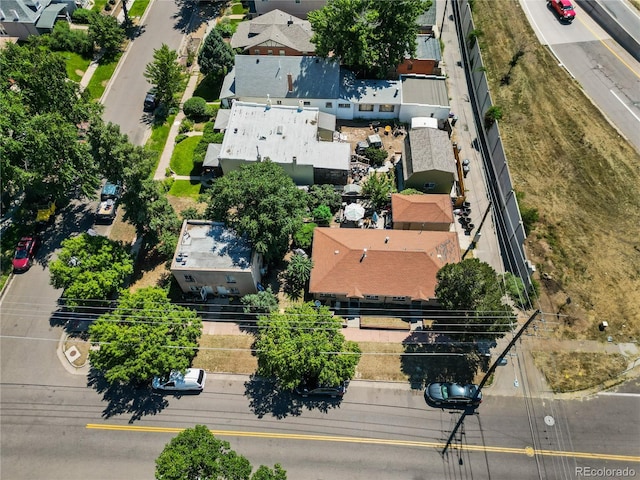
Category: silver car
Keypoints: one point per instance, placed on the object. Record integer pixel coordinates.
(192, 380)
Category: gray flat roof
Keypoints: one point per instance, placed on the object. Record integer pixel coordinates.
(427, 48)
(424, 90)
(262, 75)
(212, 155)
(369, 91)
(280, 133)
(211, 246)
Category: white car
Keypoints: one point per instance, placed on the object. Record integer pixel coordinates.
(193, 380)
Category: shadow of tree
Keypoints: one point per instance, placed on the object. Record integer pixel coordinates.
(266, 398)
(434, 358)
(137, 400)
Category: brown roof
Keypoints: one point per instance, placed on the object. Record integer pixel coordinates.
(405, 265)
(433, 208)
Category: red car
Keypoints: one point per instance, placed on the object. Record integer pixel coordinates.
(25, 250)
(563, 9)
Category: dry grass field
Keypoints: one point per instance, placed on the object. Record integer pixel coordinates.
(581, 175)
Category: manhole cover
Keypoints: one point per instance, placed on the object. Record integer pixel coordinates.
(549, 420)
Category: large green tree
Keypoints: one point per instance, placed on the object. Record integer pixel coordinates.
(165, 74)
(90, 268)
(262, 302)
(106, 33)
(370, 36)
(39, 117)
(196, 454)
(144, 336)
(305, 341)
(378, 187)
(324, 195)
(473, 290)
(216, 56)
(261, 201)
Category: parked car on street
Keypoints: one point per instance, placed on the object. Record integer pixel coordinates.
(192, 380)
(451, 395)
(25, 251)
(308, 388)
(150, 101)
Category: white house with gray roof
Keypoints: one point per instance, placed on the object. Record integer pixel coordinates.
(212, 259)
(323, 84)
(23, 18)
(288, 136)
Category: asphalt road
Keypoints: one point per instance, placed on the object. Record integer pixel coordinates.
(606, 72)
(166, 22)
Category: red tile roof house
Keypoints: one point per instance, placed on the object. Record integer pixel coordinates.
(379, 266)
(422, 212)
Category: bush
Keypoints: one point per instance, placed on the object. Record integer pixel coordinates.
(377, 156)
(529, 215)
(225, 28)
(186, 126)
(180, 138)
(80, 15)
(322, 215)
(190, 213)
(195, 108)
(212, 111)
(167, 183)
(63, 39)
(208, 136)
(492, 115)
(112, 2)
(304, 235)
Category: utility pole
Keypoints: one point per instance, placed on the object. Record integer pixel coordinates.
(487, 375)
(444, 15)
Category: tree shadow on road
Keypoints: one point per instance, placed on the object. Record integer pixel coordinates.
(265, 397)
(137, 400)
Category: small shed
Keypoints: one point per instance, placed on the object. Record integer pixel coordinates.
(374, 141)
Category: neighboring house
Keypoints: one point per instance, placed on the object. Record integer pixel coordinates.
(379, 266)
(212, 259)
(275, 33)
(288, 136)
(422, 212)
(427, 21)
(299, 8)
(428, 162)
(426, 61)
(323, 84)
(23, 18)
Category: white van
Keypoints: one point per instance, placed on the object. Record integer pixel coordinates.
(193, 380)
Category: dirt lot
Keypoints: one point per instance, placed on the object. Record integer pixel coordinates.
(359, 131)
(578, 172)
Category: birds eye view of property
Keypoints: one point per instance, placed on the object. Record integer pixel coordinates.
(290, 239)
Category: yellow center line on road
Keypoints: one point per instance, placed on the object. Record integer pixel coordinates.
(373, 441)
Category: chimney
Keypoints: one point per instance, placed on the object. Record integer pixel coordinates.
(386, 239)
(364, 255)
(268, 101)
(300, 104)
(290, 22)
(290, 82)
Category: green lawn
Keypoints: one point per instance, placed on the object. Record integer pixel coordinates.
(138, 8)
(76, 65)
(209, 87)
(182, 158)
(238, 9)
(158, 139)
(98, 5)
(185, 188)
(101, 77)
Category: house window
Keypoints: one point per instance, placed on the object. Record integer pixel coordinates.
(256, 51)
(306, 104)
(371, 297)
(230, 279)
(327, 295)
(189, 278)
(399, 299)
(269, 52)
(344, 105)
(366, 107)
(278, 102)
(282, 53)
(234, 291)
(429, 186)
(328, 105)
(386, 108)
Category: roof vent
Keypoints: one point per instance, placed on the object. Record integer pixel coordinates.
(300, 104)
(289, 82)
(336, 252)
(364, 255)
(386, 239)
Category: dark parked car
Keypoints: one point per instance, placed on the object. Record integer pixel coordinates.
(150, 101)
(452, 394)
(312, 388)
(23, 256)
